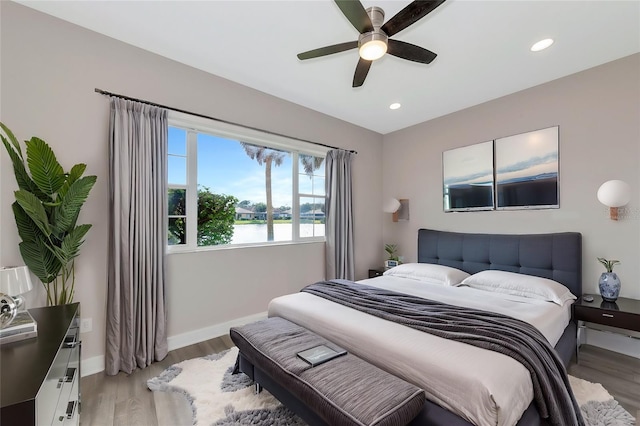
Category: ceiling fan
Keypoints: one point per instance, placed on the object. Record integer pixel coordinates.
(374, 40)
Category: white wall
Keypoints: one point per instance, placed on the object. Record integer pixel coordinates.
(598, 111)
(49, 70)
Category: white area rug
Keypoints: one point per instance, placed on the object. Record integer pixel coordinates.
(598, 406)
(219, 398)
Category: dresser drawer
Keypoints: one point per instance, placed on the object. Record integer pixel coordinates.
(49, 395)
(40, 383)
(608, 317)
(60, 387)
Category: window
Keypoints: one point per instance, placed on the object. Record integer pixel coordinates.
(234, 186)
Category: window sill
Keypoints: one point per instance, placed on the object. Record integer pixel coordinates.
(181, 250)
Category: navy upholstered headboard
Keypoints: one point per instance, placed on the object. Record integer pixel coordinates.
(556, 256)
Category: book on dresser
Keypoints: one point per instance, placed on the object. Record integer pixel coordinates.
(22, 327)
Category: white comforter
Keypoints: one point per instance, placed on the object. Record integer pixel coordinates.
(482, 386)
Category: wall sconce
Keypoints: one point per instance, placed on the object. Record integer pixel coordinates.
(399, 209)
(614, 194)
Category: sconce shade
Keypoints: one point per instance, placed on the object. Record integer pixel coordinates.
(391, 205)
(614, 193)
(15, 280)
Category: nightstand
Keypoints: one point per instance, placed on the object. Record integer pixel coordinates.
(623, 313)
(375, 273)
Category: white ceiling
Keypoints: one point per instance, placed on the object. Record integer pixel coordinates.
(482, 46)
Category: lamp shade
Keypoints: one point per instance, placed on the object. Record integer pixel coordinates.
(15, 280)
(614, 193)
(391, 205)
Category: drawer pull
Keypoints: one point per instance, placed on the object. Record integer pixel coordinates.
(607, 315)
(67, 378)
(71, 341)
(71, 372)
(71, 409)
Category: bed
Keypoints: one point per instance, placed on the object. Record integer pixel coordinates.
(464, 384)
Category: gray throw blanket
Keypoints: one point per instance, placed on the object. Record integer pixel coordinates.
(515, 338)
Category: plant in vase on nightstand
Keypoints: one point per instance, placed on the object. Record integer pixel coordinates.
(392, 251)
(46, 210)
(609, 283)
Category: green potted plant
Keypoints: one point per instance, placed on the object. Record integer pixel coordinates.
(394, 260)
(46, 210)
(391, 250)
(609, 283)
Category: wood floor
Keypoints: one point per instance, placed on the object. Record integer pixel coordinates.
(124, 400)
(619, 374)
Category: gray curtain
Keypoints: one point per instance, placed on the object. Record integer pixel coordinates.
(339, 216)
(136, 317)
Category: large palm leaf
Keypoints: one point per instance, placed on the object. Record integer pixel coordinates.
(34, 208)
(22, 177)
(27, 229)
(70, 247)
(74, 174)
(66, 212)
(41, 260)
(45, 170)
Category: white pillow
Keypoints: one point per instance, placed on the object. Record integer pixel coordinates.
(428, 272)
(520, 285)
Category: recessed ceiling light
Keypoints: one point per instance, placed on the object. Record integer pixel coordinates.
(394, 105)
(541, 45)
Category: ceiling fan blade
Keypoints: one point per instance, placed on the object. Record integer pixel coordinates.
(409, 15)
(355, 13)
(362, 69)
(328, 50)
(410, 52)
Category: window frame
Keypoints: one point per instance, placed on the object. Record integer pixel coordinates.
(178, 186)
(194, 125)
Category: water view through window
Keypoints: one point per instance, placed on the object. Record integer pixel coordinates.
(224, 191)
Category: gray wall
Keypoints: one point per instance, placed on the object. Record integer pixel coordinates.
(598, 111)
(48, 73)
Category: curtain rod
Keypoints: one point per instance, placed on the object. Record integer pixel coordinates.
(104, 92)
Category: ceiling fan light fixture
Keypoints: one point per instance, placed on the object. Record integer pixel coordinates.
(372, 45)
(374, 42)
(542, 44)
(375, 49)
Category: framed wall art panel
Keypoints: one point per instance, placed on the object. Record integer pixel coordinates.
(468, 178)
(526, 170)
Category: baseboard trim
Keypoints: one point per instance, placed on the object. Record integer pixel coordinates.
(96, 364)
(92, 365)
(206, 333)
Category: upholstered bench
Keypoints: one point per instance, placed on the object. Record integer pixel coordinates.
(342, 391)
